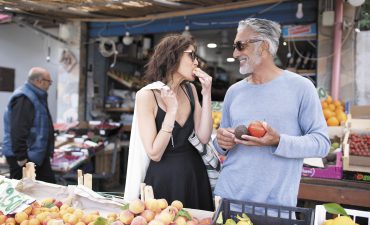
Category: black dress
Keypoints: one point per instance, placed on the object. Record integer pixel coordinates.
(180, 174)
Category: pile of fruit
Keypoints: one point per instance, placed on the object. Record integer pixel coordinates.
(359, 144)
(333, 111)
(137, 212)
(216, 116)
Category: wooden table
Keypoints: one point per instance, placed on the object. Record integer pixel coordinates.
(337, 191)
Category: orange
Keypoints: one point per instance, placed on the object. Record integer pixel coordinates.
(342, 117)
(327, 113)
(332, 107)
(329, 99)
(338, 111)
(332, 121)
(324, 104)
(337, 103)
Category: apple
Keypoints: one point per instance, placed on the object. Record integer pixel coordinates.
(256, 129)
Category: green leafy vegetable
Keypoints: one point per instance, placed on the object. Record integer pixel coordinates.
(335, 208)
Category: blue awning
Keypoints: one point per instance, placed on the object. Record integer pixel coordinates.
(283, 12)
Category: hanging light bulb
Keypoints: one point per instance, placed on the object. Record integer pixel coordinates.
(127, 39)
(299, 13)
(186, 32)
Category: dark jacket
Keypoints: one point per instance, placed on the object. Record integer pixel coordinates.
(32, 135)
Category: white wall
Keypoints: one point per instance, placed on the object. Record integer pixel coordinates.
(22, 48)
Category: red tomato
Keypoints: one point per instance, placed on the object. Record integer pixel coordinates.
(256, 129)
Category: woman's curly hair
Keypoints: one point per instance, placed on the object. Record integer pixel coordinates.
(166, 57)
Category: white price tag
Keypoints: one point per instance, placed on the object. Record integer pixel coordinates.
(10, 199)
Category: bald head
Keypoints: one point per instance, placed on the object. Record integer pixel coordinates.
(39, 77)
(37, 73)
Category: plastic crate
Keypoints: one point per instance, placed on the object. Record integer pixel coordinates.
(360, 217)
(262, 214)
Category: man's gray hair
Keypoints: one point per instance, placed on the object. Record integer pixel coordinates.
(34, 76)
(266, 29)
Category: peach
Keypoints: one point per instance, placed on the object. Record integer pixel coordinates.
(177, 204)
(139, 220)
(113, 215)
(152, 204)
(136, 206)
(64, 206)
(25, 222)
(116, 223)
(3, 218)
(80, 223)
(156, 222)
(10, 220)
(180, 220)
(87, 218)
(126, 216)
(28, 210)
(191, 222)
(148, 215)
(20, 217)
(162, 203)
(166, 217)
(58, 204)
(33, 221)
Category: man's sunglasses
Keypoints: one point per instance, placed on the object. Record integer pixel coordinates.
(241, 45)
(193, 55)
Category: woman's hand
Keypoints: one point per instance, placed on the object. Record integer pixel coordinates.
(169, 99)
(205, 80)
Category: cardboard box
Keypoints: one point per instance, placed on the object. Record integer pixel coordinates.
(360, 111)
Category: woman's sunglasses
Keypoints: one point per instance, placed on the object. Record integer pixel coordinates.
(193, 55)
(241, 45)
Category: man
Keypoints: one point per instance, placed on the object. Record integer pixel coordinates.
(267, 169)
(29, 132)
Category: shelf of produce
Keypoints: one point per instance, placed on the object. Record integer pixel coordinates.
(338, 191)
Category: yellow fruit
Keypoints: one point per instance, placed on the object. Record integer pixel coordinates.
(337, 103)
(20, 217)
(324, 104)
(343, 220)
(331, 107)
(329, 99)
(327, 113)
(333, 121)
(328, 222)
(342, 117)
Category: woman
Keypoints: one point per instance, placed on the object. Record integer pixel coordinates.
(167, 117)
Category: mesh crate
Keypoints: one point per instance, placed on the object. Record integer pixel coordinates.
(360, 217)
(262, 214)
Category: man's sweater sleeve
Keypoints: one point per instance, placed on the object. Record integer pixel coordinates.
(314, 141)
(225, 122)
(22, 117)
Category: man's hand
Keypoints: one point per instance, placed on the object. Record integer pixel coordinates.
(21, 163)
(226, 138)
(271, 138)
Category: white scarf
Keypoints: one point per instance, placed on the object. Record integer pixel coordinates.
(138, 160)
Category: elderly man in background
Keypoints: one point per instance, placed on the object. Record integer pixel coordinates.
(28, 127)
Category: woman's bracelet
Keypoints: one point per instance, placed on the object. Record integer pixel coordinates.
(167, 131)
(167, 126)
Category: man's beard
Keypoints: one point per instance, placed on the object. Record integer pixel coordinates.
(249, 66)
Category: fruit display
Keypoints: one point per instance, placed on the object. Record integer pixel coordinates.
(153, 212)
(333, 111)
(336, 210)
(359, 144)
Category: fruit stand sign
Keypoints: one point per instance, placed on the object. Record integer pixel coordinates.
(10, 199)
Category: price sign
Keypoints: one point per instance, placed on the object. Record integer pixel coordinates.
(10, 199)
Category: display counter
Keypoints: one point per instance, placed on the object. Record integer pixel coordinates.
(338, 191)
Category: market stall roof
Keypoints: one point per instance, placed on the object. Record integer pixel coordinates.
(49, 12)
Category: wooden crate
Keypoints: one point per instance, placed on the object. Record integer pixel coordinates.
(103, 166)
